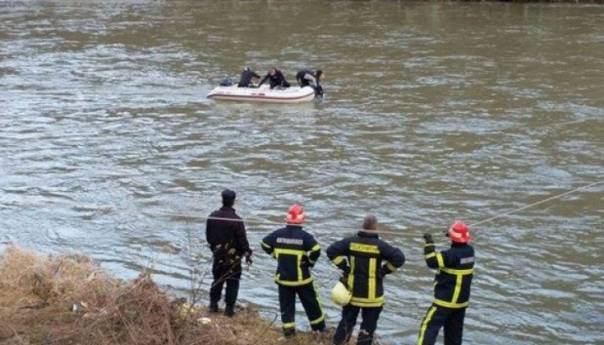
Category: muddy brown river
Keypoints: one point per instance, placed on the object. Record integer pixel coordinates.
(433, 111)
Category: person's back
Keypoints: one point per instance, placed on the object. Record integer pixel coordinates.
(365, 260)
(225, 234)
(247, 75)
(275, 78)
(296, 252)
(452, 286)
(290, 245)
(307, 77)
(455, 262)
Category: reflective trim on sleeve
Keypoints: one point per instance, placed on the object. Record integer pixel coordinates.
(315, 248)
(262, 243)
(429, 256)
(391, 267)
(351, 274)
(440, 260)
(337, 260)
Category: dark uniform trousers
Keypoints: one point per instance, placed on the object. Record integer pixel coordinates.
(437, 317)
(310, 302)
(349, 318)
(231, 275)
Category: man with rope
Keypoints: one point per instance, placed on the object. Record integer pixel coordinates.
(452, 286)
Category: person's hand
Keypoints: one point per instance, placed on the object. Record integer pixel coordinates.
(428, 238)
(382, 272)
(248, 259)
(306, 262)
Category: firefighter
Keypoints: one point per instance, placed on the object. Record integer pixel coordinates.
(296, 252)
(452, 286)
(228, 242)
(365, 260)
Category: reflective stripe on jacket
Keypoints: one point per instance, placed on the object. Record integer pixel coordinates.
(456, 269)
(296, 252)
(365, 259)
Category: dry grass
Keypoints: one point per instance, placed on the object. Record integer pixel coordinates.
(70, 300)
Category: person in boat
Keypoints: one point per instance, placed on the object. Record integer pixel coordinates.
(309, 78)
(229, 244)
(365, 260)
(452, 286)
(247, 77)
(296, 252)
(275, 78)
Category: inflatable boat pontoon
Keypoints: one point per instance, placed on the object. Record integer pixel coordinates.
(294, 94)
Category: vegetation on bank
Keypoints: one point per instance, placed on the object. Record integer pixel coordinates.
(68, 299)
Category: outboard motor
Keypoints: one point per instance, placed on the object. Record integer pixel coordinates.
(226, 82)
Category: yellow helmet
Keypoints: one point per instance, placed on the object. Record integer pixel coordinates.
(340, 295)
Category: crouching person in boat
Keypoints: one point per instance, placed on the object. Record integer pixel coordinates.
(275, 78)
(365, 260)
(452, 286)
(247, 77)
(308, 78)
(296, 252)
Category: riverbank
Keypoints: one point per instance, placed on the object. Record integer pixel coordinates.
(68, 299)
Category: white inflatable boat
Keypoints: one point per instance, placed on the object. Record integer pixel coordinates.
(294, 94)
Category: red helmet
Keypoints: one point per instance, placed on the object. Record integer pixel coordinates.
(459, 233)
(295, 214)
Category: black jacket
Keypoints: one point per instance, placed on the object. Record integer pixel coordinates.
(307, 77)
(361, 258)
(246, 78)
(227, 239)
(456, 269)
(296, 252)
(275, 80)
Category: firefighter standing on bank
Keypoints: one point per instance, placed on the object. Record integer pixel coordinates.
(228, 242)
(365, 260)
(296, 252)
(452, 286)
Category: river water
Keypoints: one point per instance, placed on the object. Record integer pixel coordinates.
(433, 111)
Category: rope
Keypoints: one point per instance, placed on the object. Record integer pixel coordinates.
(268, 222)
(558, 196)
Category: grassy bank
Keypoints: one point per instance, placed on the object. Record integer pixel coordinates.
(70, 300)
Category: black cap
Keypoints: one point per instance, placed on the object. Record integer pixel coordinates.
(228, 194)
